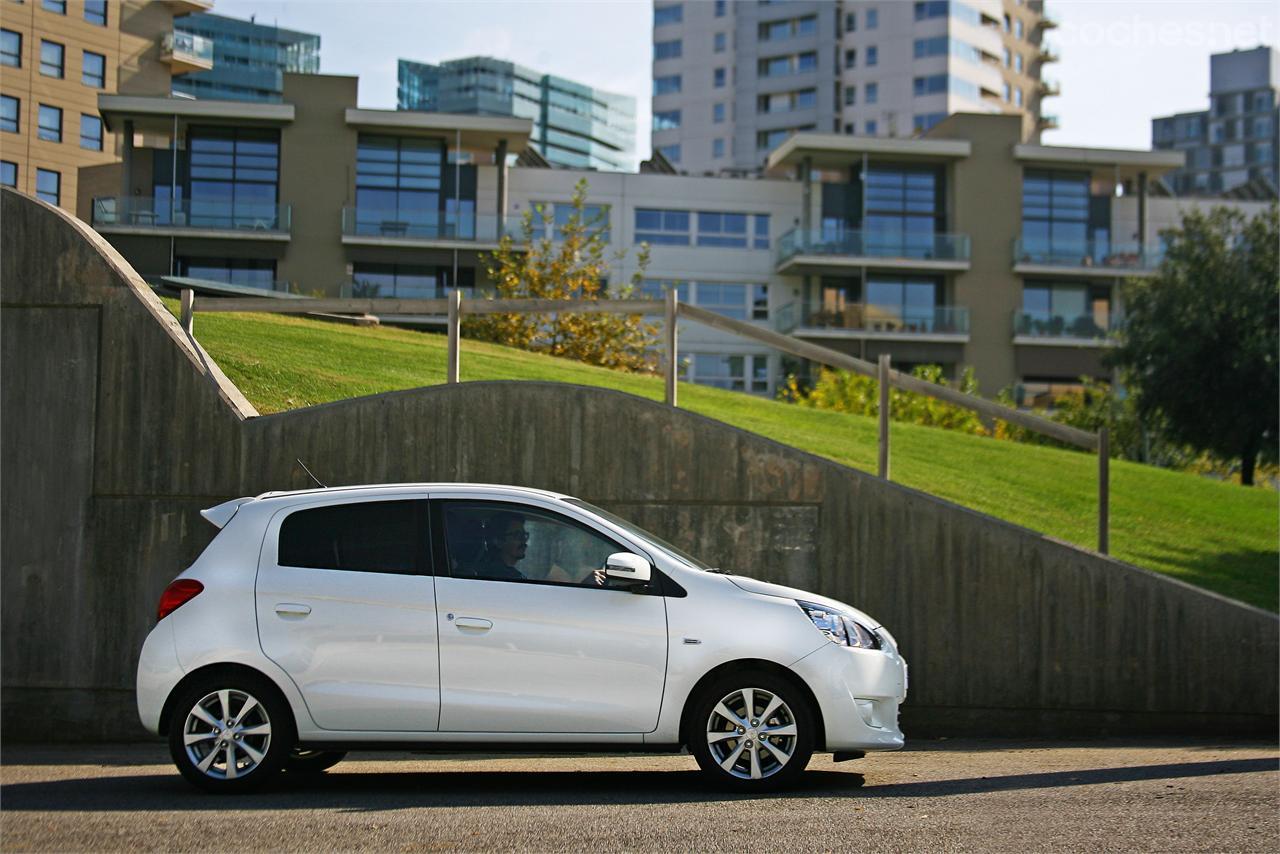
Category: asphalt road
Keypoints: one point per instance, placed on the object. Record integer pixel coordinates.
(936, 796)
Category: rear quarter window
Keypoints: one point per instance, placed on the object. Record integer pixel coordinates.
(371, 536)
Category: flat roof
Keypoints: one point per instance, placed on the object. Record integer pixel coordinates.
(1160, 161)
(151, 110)
(475, 131)
(831, 149)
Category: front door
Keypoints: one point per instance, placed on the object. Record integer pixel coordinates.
(346, 607)
(532, 639)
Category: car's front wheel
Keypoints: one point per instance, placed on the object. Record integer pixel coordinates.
(752, 731)
(230, 733)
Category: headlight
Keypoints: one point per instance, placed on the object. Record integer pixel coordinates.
(839, 628)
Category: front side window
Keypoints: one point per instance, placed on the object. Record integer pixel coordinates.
(493, 541)
(94, 70)
(9, 109)
(10, 48)
(51, 58)
(90, 132)
(49, 186)
(50, 124)
(371, 536)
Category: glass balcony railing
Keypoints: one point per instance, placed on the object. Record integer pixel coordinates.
(922, 320)
(189, 46)
(486, 228)
(143, 212)
(1086, 253)
(369, 287)
(927, 246)
(1046, 324)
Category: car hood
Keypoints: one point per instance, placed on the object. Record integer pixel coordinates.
(764, 588)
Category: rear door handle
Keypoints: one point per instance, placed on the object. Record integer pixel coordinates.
(473, 623)
(290, 609)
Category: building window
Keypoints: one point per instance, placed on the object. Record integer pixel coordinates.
(668, 50)
(780, 66)
(408, 281)
(49, 123)
(1017, 97)
(10, 48)
(720, 4)
(1017, 63)
(931, 9)
(9, 110)
(595, 219)
(668, 15)
(1063, 310)
(736, 373)
(51, 58)
(234, 176)
(1008, 23)
(95, 12)
(49, 186)
(717, 113)
(57, 7)
(720, 42)
(1017, 28)
(906, 302)
(8, 174)
(1055, 216)
(873, 18)
(671, 152)
(717, 147)
(94, 70)
(668, 85)
(769, 31)
(903, 211)
(722, 229)
(399, 187)
(873, 56)
(850, 96)
(243, 272)
(90, 132)
(666, 120)
(1006, 91)
(717, 78)
(925, 122)
(873, 93)
(870, 127)
(851, 58)
(851, 22)
(931, 85)
(662, 228)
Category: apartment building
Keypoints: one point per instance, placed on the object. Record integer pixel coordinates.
(732, 80)
(1233, 143)
(573, 125)
(967, 246)
(56, 58)
(248, 59)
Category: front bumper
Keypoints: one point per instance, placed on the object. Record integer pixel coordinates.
(859, 692)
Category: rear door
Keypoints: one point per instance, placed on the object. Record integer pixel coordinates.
(346, 607)
(530, 640)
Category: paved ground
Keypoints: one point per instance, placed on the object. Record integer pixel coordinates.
(936, 796)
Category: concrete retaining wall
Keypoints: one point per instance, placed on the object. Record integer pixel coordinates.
(115, 434)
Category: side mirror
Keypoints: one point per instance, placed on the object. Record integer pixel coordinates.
(625, 566)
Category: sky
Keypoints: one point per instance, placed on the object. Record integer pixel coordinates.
(1122, 64)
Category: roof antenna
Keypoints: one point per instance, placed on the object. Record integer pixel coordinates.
(309, 474)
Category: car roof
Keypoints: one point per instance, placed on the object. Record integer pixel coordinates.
(365, 489)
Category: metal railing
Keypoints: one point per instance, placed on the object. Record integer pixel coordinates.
(854, 243)
(179, 43)
(1046, 324)
(1086, 253)
(429, 225)
(455, 306)
(149, 212)
(942, 319)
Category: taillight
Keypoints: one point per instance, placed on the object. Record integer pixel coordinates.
(177, 594)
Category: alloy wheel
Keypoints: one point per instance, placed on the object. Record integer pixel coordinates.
(751, 733)
(227, 734)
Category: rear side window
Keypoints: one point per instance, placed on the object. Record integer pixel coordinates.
(372, 536)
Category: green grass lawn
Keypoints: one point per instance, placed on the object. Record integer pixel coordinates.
(1217, 535)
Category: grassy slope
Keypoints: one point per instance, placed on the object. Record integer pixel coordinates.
(1217, 535)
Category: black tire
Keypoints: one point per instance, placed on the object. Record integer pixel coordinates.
(795, 714)
(303, 761)
(265, 727)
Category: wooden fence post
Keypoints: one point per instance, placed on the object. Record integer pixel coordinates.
(455, 321)
(672, 366)
(1104, 490)
(884, 415)
(188, 310)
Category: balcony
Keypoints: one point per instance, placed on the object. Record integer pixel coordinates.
(1048, 54)
(186, 52)
(427, 230)
(191, 218)
(827, 248)
(1085, 258)
(943, 323)
(1047, 121)
(1050, 88)
(1045, 328)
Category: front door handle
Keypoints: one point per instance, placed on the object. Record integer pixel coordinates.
(473, 623)
(290, 609)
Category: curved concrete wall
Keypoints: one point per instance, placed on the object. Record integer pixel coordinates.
(117, 429)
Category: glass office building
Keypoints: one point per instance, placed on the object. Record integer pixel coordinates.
(573, 125)
(249, 59)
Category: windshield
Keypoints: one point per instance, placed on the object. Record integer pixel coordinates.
(641, 533)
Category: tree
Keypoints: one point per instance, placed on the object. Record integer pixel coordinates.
(566, 261)
(1199, 348)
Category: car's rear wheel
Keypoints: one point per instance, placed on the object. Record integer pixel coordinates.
(752, 731)
(302, 761)
(230, 732)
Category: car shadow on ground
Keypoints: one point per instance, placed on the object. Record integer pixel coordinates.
(358, 791)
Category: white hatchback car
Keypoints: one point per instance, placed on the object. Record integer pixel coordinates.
(465, 617)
